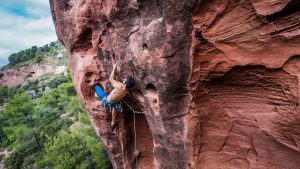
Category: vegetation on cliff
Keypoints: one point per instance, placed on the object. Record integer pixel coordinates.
(49, 130)
(38, 55)
(33, 52)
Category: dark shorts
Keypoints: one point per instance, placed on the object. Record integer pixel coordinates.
(103, 96)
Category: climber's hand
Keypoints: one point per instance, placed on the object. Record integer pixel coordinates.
(114, 63)
(116, 66)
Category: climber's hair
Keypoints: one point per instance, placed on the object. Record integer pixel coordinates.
(129, 82)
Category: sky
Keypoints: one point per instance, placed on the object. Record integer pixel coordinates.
(24, 23)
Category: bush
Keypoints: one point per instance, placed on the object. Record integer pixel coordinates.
(45, 76)
(19, 109)
(38, 59)
(82, 117)
(69, 88)
(56, 81)
(65, 151)
(6, 93)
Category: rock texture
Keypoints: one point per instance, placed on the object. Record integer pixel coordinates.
(217, 80)
(17, 76)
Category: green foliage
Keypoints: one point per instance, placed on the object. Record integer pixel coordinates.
(56, 81)
(39, 136)
(85, 151)
(45, 48)
(46, 76)
(15, 161)
(22, 56)
(98, 154)
(52, 44)
(53, 51)
(34, 49)
(69, 77)
(31, 53)
(39, 59)
(3, 94)
(49, 123)
(18, 129)
(82, 117)
(19, 110)
(51, 100)
(6, 93)
(69, 88)
(66, 151)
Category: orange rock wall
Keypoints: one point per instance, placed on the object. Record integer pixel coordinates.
(216, 79)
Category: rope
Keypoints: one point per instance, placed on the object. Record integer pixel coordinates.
(134, 129)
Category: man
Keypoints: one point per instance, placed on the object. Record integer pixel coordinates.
(113, 99)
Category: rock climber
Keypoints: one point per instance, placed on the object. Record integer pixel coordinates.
(113, 99)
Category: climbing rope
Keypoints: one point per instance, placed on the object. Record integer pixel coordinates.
(134, 129)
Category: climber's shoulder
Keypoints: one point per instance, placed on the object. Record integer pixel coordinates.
(116, 84)
(117, 94)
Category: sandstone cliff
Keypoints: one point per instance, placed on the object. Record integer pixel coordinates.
(218, 80)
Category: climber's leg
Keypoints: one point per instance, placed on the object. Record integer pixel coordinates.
(116, 108)
(100, 92)
(114, 118)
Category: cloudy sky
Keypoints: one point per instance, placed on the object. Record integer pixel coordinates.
(24, 23)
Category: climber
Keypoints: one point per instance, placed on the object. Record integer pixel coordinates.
(113, 99)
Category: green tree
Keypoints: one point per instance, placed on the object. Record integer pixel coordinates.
(23, 55)
(53, 51)
(19, 110)
(46, 48)
(3, 94)
(19, 129)
(97, 152)
(34, 49)
(49, 123)
(67, 151)
(52, 44)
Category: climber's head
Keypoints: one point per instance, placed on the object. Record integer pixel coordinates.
(129, 82)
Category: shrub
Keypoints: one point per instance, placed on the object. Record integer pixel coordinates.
(56, 81)
(38, 59)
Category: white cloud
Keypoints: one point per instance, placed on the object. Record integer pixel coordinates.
(20, 32)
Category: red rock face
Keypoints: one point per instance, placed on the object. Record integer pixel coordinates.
(217, 80)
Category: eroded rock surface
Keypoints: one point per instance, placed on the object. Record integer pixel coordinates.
(217, 80)
(17, 76)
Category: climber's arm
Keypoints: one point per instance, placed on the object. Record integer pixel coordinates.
(113, 82)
